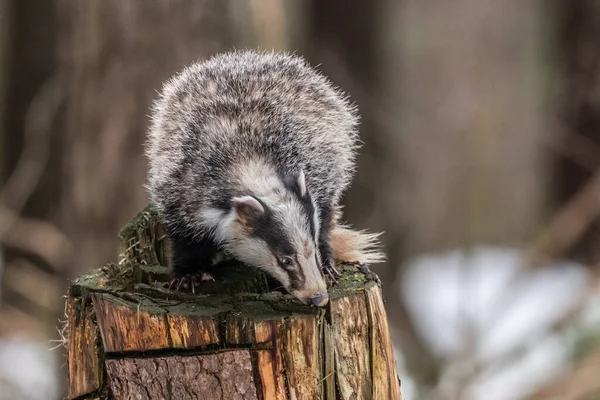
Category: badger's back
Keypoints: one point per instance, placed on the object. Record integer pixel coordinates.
(241, 108)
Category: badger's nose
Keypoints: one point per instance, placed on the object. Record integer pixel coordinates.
(319, 300)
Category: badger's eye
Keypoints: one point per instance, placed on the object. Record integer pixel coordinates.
(286, 261)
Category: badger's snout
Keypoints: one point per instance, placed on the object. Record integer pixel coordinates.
(319, 300)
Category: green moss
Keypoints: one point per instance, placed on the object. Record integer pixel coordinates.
(154, 273)
(147, 217)
(231, 278)
(106, 279)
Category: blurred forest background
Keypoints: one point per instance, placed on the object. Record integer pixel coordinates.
(481, 162)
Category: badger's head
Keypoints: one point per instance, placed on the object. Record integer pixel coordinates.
(277, 231)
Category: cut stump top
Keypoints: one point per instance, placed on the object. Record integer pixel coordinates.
(122, 320)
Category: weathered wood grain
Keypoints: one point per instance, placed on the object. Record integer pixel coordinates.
(268, 332)
(84, 367)
(239, 330)
(125, 328)
(350, 328)
(247, 331)
(270, 371)
(328, 364)
(189, 331)
(129, 327)
(225, 375)
(269, 363)
(385, 379)
(301, 347)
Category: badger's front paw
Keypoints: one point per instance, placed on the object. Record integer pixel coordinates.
(189, 282)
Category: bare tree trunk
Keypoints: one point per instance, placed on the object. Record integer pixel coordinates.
(6, 21)
(113, 57)
(579, 53)
(129, 337)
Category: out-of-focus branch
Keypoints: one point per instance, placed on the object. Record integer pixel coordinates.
(576, 216)
(573, 146)
(35, 237)
(30, 235)
(36, 148)
(570, 223)
(578, 383)
(34, 290)
(13, 319)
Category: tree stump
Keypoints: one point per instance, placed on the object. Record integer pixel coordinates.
(129, 337)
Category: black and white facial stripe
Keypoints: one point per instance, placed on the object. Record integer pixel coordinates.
(296, 183)
(288, 245)
(268, 229)
(272, 225)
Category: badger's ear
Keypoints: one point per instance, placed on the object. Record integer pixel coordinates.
(296, 183)
(248, 209)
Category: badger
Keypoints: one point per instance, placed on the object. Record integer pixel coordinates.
(249, 154)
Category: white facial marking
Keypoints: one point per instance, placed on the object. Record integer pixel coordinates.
(287, 213)
(245, 202)
(316, 222)
(218, 223)
(302, 184)
(210, 217)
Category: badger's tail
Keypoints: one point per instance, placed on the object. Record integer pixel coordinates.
(350, 245)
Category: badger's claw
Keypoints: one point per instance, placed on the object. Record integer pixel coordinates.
(189, 281)
(329, 269)
(370, 274)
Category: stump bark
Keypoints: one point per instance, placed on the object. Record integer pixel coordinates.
(129, 337)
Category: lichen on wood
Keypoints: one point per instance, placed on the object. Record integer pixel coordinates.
(146, 341)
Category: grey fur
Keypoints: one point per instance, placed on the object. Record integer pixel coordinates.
(220, 126)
